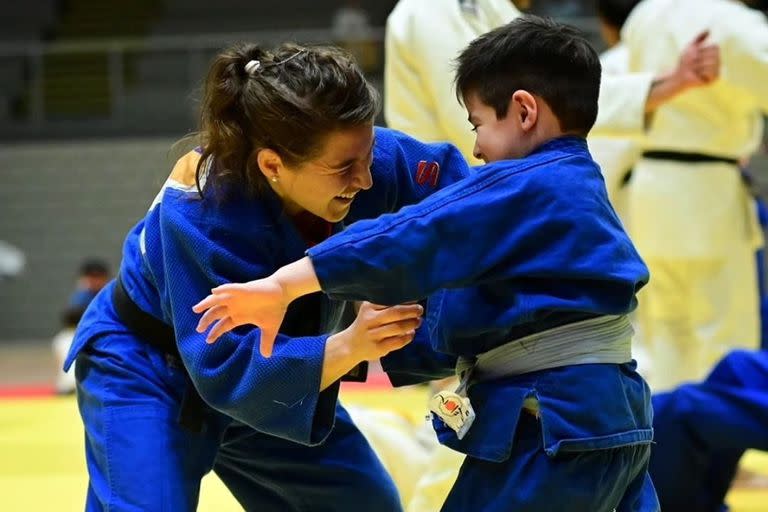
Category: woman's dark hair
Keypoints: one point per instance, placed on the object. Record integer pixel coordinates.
(288, 99)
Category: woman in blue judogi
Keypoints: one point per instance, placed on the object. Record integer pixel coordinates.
(287, 157)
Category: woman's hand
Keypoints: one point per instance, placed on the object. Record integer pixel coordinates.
(376, 331)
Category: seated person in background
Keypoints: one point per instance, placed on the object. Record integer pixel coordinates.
(65, 380)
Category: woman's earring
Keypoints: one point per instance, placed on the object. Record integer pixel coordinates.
(274, 179)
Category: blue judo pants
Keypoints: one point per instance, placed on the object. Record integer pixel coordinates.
(702, 430)
(140, 459)
(606, 480)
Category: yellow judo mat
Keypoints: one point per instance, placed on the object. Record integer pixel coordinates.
(42, 467)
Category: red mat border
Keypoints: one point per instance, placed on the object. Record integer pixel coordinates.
(22, 391)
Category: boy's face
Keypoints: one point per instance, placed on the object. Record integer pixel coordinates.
(495, 139)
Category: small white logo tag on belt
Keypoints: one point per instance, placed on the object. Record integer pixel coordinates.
(455, 411)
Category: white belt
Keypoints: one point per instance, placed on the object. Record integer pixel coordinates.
(605, 339)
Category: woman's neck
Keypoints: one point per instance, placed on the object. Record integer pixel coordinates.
(312, 228)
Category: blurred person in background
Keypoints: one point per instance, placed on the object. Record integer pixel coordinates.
(418, 72)
(64, 383)
(422, 39)
(691, 215)
(93, 275)
(615, 154)
(351, 30)
(288, 154)
(350, 22)
(702, 429)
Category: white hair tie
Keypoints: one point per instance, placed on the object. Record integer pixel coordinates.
(252, 67)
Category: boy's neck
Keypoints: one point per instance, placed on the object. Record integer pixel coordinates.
(547, 128)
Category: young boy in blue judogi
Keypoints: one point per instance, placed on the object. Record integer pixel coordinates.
(537, 278)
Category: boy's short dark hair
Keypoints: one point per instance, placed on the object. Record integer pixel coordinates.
(615, 12)
(546, 58)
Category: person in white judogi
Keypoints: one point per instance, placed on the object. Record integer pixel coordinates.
(423, 39)
(692, 219)
(616, 155)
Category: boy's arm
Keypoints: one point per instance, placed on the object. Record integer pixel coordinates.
(481, 228)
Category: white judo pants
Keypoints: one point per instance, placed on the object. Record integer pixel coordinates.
(696, 227)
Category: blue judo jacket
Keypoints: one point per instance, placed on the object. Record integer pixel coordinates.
(187, 244)
(521, 246)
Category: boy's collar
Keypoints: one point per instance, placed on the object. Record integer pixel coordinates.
(564, 142)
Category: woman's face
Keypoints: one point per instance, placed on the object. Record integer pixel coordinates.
(326, 185)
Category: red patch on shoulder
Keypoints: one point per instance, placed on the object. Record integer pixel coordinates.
(427, 172)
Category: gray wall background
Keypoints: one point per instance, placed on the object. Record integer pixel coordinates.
(61, 202)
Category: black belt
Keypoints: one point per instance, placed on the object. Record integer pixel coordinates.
(161, 336)
(679, 156)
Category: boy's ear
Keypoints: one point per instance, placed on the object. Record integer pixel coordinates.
(523, 105)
